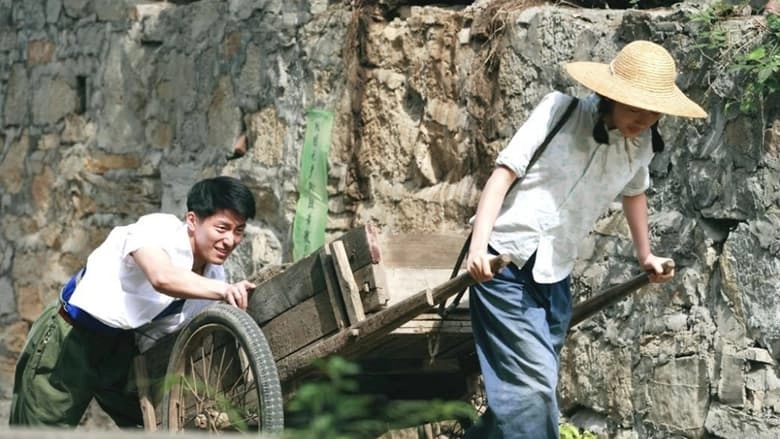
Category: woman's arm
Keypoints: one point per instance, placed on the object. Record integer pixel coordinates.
(635, 210)
(493, 194)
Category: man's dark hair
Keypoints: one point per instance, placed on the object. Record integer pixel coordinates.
(208, 196)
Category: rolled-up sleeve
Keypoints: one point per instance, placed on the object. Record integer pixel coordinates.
(638, 184)
(153, 230)
(531, 134)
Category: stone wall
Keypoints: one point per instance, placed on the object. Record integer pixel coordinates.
(111, 109)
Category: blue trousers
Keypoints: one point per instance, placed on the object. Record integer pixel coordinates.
(519, 328)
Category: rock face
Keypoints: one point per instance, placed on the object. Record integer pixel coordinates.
(112, 109)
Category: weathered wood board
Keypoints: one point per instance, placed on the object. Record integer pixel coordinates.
(415, 261)
(320, 294)
(301, 325)
(306, 278)
(150, 370)
(421, 250)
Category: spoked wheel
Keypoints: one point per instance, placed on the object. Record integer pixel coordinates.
(222, 376)
(477, 398)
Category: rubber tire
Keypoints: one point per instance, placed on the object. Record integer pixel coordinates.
(246, 332)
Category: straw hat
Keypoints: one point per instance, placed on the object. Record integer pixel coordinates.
(641, 75)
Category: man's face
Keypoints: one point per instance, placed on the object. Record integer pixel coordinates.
(632, 121)
(214, 238)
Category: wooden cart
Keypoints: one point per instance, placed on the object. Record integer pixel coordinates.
(228, 369)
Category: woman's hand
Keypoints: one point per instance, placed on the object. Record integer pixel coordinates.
(660, 269)
(478, 266)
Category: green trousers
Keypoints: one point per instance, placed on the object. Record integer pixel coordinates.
(63, 367)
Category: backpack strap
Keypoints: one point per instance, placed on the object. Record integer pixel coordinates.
(444, 310)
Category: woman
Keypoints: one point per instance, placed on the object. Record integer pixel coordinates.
(521, 315)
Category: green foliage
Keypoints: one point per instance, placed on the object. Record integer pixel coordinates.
(754, 55)
(216, 410)
(709, 19)
(762, 66)
(333, 408)
(714, 13)
(569, 431)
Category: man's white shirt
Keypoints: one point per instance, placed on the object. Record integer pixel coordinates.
(116, 291)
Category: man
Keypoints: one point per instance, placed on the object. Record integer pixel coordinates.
(134, 285)
(521, 315)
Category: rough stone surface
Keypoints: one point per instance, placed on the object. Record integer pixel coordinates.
(113, 109)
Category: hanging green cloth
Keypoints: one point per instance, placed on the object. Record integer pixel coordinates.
(311, 213)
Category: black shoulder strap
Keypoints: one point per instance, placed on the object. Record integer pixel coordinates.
(558, 125)
(443, 311)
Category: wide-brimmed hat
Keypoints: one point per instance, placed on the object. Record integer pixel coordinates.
(641, 75)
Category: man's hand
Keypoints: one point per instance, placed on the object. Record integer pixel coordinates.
(237, 294)
(655, 266)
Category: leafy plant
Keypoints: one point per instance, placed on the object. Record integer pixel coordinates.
(762, 66)
(333, 408)
(709, 18)
(753, 53)
(569, 431)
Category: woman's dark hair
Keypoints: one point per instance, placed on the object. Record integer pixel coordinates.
(658, 141)
(208, 196)
(600, 135)
(600, 129)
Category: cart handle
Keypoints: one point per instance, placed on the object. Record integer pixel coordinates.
(591, 306)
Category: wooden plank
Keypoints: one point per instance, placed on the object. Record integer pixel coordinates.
(372, 284)
(362, 245)
(156, 357)
(426, 347)
(156, 364)
(430, 327)
(142, 383)
(269, 271)
(402, 282)
(299, 282)
(305, 278)
(362, 335)
(349, 289)
(454, 317)
(421, 250)
(302, 324)
(396, 347)
(332, 285)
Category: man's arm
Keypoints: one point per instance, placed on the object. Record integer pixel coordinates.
(635, 209)
(185, 284)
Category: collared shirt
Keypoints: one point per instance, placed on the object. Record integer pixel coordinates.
(116, 291)
(557, 202)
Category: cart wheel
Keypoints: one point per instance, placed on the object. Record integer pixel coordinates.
(477, 398)
(222, 376)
